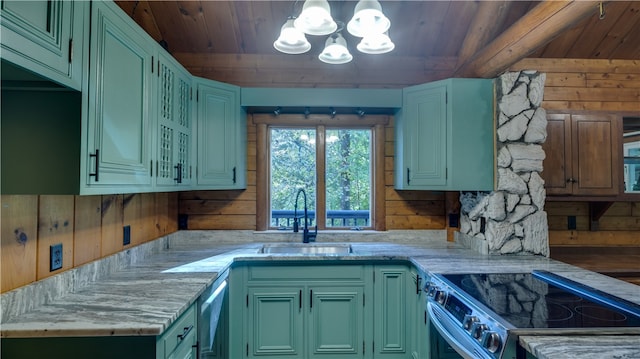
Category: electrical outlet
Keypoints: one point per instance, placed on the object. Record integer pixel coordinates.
(126, 235)
(571, 222)
(55, 254)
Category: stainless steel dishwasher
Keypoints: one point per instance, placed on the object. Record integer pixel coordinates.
(210, 305)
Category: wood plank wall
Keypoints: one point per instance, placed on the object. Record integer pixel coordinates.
(237, 209)
(609, 86)
(88, 227)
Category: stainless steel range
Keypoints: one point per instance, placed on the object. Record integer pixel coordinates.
(482, 315)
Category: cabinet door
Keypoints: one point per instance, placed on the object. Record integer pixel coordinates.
(119, 103)
(174, 126)
(221, 137)
(336, 321)
(275, 322)
(424, 132)
(391, 312)
(596, 154)
(557, 165)
(418, 317)
(45, 37)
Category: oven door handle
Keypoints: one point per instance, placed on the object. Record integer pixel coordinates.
(463, 344)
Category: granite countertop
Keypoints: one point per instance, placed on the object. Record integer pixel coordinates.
(144, 289)
(583, 346)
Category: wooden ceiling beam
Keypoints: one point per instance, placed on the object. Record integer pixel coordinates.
(489, 16)
(537, 28)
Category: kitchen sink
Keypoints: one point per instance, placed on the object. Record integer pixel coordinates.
(307, 248)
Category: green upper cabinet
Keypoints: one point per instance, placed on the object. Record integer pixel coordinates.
(222, 136)
(46, 38)
(118, 144)
(444, 136)
(174, 137)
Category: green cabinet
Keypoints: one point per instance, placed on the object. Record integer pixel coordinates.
(299, 311)
(179, 341)
(174, 126)
(222, 136)
(328, 311)
(419, 325)
(118, 144)
(46, 38)
(275, 321)
(444, 136)
(336, 320)
(392, 313)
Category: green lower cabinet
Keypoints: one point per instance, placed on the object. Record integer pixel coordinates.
(391, 314)
(336, 321)
(328, 311)
(275, 322)
(177, 342)
(419, 324)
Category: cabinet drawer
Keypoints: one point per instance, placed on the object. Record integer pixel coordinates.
(306, 273)
(186, 348)
(180, 332)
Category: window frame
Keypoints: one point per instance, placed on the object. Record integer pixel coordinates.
(321, 123)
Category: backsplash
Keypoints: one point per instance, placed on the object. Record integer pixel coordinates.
(511, 219)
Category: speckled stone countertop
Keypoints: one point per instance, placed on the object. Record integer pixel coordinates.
(142, 290)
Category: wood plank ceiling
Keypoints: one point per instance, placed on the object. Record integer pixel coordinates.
(232, 41)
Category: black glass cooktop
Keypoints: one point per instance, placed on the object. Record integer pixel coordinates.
(526, 301)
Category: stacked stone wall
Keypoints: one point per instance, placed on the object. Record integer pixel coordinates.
(512, 219)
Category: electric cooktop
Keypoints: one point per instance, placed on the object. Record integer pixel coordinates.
(545, 300)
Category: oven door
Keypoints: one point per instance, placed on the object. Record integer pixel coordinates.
(454, 335)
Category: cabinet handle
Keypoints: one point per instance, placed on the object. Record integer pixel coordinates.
(418, 284)
(572, 180)
(185, 332)
(49, 16)
(70, 50)
(96, 155)
(310, 298)
(178, 168)
(234, 175)
(408, 178)
(300, 299)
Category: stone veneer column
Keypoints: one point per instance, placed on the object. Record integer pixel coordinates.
(512, 219)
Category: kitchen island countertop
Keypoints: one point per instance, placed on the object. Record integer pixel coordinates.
(145, 296)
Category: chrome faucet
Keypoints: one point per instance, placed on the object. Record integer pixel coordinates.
(306, 235)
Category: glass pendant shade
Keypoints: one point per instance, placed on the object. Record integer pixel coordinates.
(368, 19)
(315, 18)
(376, 44)
(335, 51)
(291, 40)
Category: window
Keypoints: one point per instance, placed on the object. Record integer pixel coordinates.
(347, 176)
(339, 166)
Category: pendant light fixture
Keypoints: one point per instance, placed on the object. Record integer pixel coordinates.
(335, 50)
(376, 44)
(291, 40)
(368, 19)
(315, 18)
(368, 22)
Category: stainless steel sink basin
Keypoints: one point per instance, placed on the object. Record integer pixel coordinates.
(307, 248)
